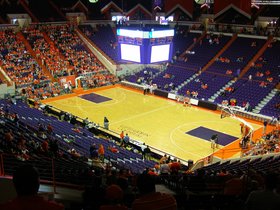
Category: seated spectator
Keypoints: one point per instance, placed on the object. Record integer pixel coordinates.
(74, 153)
(45, 146)
(229, 72)
(263, 84)
(93, 151)
(225, 102)
(113, 149)
(149, 198)
(175, 166)
(167, 76)
(269, 79)
(114, 198)
(163, 159)
(232, 102)
(265, 198)
(194, 94)
(152, 172)
(49, 129)
(267, 72)
(101, 152)
(259, 74)
(26, 182)
(204, 86)
(164, 168)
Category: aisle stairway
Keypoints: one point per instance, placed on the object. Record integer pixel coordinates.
(212, 98)
(31, 51)
(265, 101)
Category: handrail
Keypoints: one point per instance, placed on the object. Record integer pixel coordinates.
(52, 181)
(53, 177)
(1, 165)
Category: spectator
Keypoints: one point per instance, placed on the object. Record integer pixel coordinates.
(106, 123)
(26, 181)
(164, 168)
(49, 129)
(114, 197)
(125, 141)
(143, 148)
(163, 159)
(149, 198)
(121, 136)
(101, 152)
(147, 153)
(93, 151)
(113, 149)
(266, 198)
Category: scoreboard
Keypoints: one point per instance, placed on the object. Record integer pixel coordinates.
(130, 40)
(145, 46)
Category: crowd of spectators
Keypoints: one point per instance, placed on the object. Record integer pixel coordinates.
(84, 63)
(20, 66)
(48, 54)
(62, 54)
(269, 143)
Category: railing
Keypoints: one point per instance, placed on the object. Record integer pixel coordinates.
(7, 167)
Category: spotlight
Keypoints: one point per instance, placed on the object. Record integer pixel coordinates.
(93, 1)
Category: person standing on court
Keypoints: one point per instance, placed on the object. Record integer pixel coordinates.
(106, 123)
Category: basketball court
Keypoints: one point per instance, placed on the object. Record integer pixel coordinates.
(163, 124)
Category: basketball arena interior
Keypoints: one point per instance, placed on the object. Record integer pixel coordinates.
(134, 104)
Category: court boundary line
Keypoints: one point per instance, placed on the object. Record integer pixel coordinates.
(151, 95)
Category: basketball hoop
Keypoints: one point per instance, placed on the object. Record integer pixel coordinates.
(226, 111)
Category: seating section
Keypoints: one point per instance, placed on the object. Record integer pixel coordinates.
(205, 84)
(47, 52)
(20, 66)
(104, 37)
(79, 57)
(259, 164)
(246, 91)
(183, 39)
(203, 51)
(144, 76)
(272, 108)
(236, 56)
(172, 77)
(81, 141)
(266, 68)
